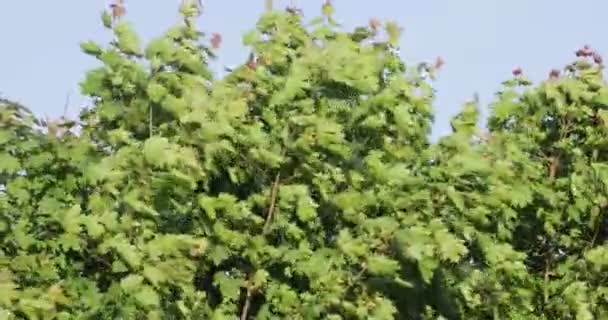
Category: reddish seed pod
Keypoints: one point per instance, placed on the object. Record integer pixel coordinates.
(554, 74)
(118, 9)
(293, 10)
(517, 71)
(597, 58)
(585, 51)
(374, 24)
(216, 40)
(439, 62)
(252, 62)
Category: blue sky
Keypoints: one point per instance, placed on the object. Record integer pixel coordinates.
(480, 40)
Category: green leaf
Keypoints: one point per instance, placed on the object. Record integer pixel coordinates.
(5, 136)
(450, 247)
(416, 242)
(9, 164)
(176, 106)
(93, 227)
(328, 9)
(159, 152)
(8, 293)
(456, 198)
(131, 283)
(132, 199)
(129, 254)
(602, 98)
(427, 268)
(156, 92)
(598, 257)
(71, 220)
(92, 48)
(382, 265)
(106, 19)
(147, 297)
(154, 275)
(307, 209)
(393, 31)
(119, 267)
(603, 114)
(128, 41)
(229, 286)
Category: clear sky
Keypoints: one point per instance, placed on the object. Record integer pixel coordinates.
(480, 40)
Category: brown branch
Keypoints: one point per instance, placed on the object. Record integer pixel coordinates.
(66, 105)
(554, 164)
(359, 274)
(356, 278)
(273, 200)
(245, 311)
(595, 234)
(546, 278)
(553, 167)
(596, 228)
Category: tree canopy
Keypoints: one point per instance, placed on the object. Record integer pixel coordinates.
(303, 185)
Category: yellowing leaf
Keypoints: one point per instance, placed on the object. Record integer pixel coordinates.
(156, 92)
(159, 152)
(8, 293)
(147, 297)
(71, 220)
(131, 283)
(382, 265)
(129, 254)
(153, 274)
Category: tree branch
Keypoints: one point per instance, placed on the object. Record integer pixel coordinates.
(553, 166)
(273, 200)
(245, 311)
(595, 234)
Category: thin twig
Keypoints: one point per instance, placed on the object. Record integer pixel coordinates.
(358, 276)
(546, 281)
(553, 166)
(66, 105)
(273, 200)
(150, 122)
(595, 234)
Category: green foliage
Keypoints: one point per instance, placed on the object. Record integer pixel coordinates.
(302, 186)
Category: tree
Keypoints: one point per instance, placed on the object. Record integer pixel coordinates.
(302, 186)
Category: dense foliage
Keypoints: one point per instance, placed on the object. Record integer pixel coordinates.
(303, 185)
